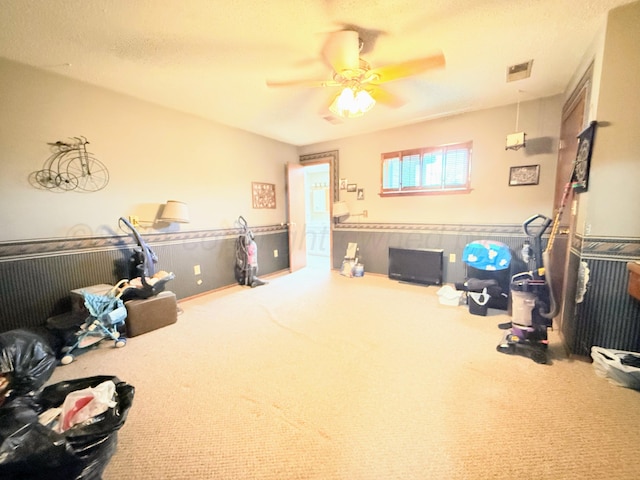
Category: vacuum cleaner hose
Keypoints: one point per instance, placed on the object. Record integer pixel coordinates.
(553, 306)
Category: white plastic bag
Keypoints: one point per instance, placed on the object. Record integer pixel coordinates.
(82, 405)
(608, 364)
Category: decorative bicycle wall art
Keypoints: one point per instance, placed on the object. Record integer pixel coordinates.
(71, 167)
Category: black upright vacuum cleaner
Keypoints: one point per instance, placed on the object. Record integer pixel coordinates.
(142, 265)
(531, 297)
(246, 267)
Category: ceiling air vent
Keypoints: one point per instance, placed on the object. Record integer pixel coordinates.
(519, 71)
(333, 119)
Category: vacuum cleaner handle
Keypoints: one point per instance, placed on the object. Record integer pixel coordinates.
(149, 255)
(245, 227)
(546, 221)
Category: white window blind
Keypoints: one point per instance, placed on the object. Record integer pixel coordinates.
(427, 170)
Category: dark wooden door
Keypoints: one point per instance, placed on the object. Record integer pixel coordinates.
(565, 212)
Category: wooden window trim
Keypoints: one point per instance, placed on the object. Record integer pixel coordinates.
(416, 191)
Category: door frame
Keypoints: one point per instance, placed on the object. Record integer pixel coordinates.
(332, 158)
(581, 94)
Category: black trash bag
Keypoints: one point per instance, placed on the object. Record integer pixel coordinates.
(26, 360)
(30, 450)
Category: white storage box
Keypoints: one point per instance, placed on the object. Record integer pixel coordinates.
(448, 295)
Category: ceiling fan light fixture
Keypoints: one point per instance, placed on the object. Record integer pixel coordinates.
(343, 102)
(352, 103)
(364, 101)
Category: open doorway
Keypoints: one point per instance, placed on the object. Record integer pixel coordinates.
(318, 194)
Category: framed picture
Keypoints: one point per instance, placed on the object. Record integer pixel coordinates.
(524, 175)
(263, 195)
(352, 187)
(360, 194)
(580, 177)
(343, 184)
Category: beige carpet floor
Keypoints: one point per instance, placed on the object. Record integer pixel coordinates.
(320, 376)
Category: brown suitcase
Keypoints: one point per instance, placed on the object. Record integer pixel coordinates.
(151, 313)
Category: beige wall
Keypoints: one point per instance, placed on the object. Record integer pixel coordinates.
(592, 58)
(153, 154)
(610, 207)
(492, 201)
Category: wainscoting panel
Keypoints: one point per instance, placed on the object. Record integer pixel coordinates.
(609, 317)
(38, 276)
(569, 308)
(374, 241)
(34, 289)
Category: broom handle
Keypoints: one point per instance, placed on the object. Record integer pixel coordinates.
(556, 220)
(554, 308)
(563, 201)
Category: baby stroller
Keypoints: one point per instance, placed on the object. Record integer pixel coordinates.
(106, 320)
(107, 312)
(530, 296)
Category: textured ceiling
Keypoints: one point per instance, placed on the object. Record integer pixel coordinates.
(212, 58)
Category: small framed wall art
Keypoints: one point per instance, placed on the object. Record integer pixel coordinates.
(352, 187)
(524, 175)
(580, 178)
(263, 195)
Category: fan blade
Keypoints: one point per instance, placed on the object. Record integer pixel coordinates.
(380, 95)
(304, 83)
(342, 50)
(397, 71)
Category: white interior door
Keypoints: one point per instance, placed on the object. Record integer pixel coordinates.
(296, 216)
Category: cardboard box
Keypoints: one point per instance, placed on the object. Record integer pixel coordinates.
(77, 297)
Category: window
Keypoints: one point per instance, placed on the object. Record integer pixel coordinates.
(427, 170)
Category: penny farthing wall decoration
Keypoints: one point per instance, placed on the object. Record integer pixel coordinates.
(71, 167)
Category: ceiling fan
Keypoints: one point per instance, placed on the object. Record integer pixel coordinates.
(360, 84)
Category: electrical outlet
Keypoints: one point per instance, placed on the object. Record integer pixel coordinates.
(196, 269)
(275, 253)
(452, 258)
